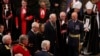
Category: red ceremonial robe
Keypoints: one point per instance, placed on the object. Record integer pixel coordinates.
(20, 49)
(23, 20)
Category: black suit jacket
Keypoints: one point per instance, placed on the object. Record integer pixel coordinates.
(4, 51)
(34, 40)
(43, 53)
(50, 33)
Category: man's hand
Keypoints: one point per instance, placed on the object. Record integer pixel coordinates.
(27, 18)
(56, 4)
(63, 31)
(17, 27)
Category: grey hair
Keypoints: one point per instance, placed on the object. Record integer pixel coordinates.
(62, 13)
(45, 43)
(22, 37)
(51, 15)
(5, 37)
(35, 24)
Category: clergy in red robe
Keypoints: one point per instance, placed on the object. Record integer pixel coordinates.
(24, 18)
(20, 49)
(42, 14)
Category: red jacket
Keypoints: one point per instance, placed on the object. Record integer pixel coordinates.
(21, 49)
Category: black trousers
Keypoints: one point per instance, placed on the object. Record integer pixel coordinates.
(73, 46)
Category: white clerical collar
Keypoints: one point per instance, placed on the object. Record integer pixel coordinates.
(6, 5)
(34, 31)
(62, 22)
(44, 50)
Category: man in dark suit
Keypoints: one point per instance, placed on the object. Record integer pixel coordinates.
(45, 45)
(5, 48)
(51, 32)
(33, 38)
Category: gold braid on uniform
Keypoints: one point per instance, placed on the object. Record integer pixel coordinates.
(23, 46)
(7, 47)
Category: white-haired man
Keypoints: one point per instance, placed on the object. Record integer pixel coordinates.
(51, 31)
(5, 48)
(63, 22)
(45, 45)
(62, 30)
(33, 38)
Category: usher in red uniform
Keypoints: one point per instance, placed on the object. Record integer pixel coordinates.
(20, 49)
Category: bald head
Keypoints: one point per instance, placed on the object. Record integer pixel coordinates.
(74, 16)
